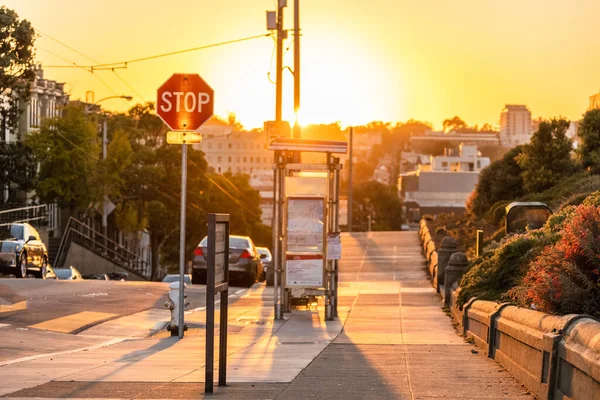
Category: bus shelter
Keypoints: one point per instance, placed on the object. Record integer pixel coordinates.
(306, 238)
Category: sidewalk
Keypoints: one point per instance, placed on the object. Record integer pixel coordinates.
(392, 340)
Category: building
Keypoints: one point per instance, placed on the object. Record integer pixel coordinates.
(229, 150)
(515, 125)
(420, 143)
(594, 101)
(46, 99)
(443, 185)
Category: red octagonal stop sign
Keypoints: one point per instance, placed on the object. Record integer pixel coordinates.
(184, 102)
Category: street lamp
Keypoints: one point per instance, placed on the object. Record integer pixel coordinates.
(104, 142)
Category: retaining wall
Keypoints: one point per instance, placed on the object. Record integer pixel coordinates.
(555, 357)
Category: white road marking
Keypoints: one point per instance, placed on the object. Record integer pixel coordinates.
(4, 325)
(59, 353)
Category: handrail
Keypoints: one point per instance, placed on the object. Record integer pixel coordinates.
(101, 245)
(22, 209)
(41, 216)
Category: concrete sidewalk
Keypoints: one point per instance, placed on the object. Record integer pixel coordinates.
(392, 340)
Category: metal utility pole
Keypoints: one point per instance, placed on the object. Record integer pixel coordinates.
(279, 73)
(296, 66)
(182, 238)
(350, 182)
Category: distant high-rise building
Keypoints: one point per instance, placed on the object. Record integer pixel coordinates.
(515, 125)
(594, 101)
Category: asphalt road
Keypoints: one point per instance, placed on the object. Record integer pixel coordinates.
(50, 299)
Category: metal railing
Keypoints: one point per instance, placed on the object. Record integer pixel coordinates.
(80, 233)
(40, 216)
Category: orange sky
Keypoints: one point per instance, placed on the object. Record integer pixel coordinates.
(361, 60)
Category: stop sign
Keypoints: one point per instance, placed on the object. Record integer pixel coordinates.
(184, 102)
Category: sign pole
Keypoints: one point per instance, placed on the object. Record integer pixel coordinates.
(182, 237)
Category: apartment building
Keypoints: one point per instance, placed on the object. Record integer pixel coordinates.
(228, 150)
(46, 99)
(515, 125)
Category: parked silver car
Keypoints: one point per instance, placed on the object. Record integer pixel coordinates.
(267, 260)
(244, 261)
(22, 251)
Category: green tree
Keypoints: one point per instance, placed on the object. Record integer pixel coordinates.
(381, 202)
(68, 150)
(589, 148)
(16, 66)
(501, 180)
(19, 169)
(547, 158)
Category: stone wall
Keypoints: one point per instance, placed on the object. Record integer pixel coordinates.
(555, 357)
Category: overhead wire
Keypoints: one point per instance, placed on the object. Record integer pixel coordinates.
(68, 47)
(124, 64)
(89, 58)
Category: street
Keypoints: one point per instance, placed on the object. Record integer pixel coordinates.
(391, 340)
(59, 314)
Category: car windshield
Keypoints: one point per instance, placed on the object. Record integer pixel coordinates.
(234, 242)
(8, 232)
(62, 273)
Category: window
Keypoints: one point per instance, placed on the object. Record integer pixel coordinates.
(219, 160)
(210, 145)
(251, 159)
(229, 145)
(219, 145)
(229, 158)
(244, 159)
(237, 158)
(444, 164)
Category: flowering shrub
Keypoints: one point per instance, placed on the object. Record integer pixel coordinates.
(555, 269)
(565, 277)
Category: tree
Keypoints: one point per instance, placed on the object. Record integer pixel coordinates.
(68, 150)
(589, 148)
(381, 202)
(501, 180)
(19, 169)
(16, 66)
(547, 158)
(455, 124)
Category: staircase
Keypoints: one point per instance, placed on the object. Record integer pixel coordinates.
(53, 247)
(94, 241)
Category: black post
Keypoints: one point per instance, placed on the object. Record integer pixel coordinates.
(224, 311)
(210, 308)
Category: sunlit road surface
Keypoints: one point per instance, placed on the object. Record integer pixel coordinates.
(392, 340)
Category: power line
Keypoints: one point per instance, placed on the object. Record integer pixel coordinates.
(68, 47)
(124, 64)
(129, 86)
(89, 58)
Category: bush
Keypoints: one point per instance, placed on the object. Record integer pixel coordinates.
(565, 278)
(493, 274)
